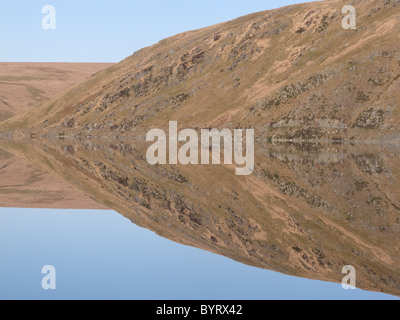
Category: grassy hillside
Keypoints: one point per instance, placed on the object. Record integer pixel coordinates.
(24, 85)
(291, 73)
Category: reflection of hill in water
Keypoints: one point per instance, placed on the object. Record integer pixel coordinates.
(24, 186)
(319, 158)
(305, 213)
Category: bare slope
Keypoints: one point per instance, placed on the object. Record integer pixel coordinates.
(293, 72)
(24, 85)
(22, 185)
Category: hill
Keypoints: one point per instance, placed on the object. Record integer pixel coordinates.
(24, 85)
(290, 73)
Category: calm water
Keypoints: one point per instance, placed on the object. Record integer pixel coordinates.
(101, 255)
(304, 214)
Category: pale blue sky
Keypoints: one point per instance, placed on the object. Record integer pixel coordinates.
(107, 31)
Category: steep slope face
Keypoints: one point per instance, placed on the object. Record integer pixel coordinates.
(291, 73)
(24, 85)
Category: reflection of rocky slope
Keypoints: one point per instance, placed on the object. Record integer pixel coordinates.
(293, 72)
(24, 186)
(306, 215)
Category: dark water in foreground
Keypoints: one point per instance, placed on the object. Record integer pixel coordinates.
(198, 232)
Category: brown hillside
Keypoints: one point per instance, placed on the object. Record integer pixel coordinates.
(291, 73)
(24, 85)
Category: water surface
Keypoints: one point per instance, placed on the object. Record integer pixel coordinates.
(198, 232)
